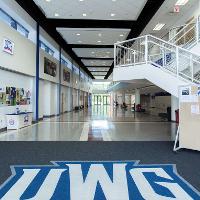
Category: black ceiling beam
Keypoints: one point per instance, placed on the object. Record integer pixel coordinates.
(81, 46)
(91, 23)
(95, 58)
(149, 10)
(32, 9)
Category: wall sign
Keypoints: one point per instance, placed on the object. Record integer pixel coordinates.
(66, 75)
(8, 46)
(97, 180)
(50, 67)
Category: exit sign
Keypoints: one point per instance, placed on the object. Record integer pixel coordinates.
(176, 9)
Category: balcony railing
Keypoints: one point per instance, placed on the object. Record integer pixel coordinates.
(159, 53)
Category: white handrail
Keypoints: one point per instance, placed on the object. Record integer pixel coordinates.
(180, 62)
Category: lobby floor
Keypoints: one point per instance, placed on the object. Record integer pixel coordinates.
(99, 123)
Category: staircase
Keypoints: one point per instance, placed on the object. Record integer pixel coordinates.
(156, 60)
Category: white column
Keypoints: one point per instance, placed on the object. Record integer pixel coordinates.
(137, 96)
(174, 106)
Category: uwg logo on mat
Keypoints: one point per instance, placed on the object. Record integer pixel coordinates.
(96, 181)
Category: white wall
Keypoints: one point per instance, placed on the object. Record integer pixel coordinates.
(50, 100)
(23, 60)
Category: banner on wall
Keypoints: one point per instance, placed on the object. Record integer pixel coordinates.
(66, 75)
(50, 67)
(8, 46)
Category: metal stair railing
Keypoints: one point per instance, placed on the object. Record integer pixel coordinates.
(159, 53)
(188, 35)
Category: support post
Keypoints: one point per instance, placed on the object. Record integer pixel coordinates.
(59, 86)
(177, 61)
(146, 49)
(37, 78)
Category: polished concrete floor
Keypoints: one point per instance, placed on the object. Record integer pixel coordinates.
(99, 123)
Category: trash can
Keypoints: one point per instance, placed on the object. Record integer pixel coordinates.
(169, 114)
(177, 116)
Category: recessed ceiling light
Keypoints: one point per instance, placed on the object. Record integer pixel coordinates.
(113, 0)
(56, 14)
(99, 41)
(48, 0)
(112, 14)
(100, 34)
(78, 34)
(81, 0)
(84, 14)
(158, 27)
(122, 35)
(181, 2)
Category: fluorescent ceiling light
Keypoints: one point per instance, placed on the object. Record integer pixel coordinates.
(121, 35)
(112, 14)
(158, 27)
(84, 14)
(48, 0)
(78, 34)
(56, 14)
(99, 41)
(181, 2)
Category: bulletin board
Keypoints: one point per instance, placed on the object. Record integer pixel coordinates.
(189, 118)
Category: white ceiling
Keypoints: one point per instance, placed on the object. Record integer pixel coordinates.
(165, 15)
(94, 53)
(98, 69)
(99, 73)
(99, 77)
(93, 36)
(97, 62)
(94, 9)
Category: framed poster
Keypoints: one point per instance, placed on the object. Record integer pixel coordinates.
(66, 75)
(50, 67)
(8, 46)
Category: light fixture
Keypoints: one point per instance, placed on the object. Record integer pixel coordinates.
(158, 27)
(112, 14)
(48, 0)
(81, 0)
(181, 2)
(78, 34)
(56, 15)
(100, 34)
(99, 41)
(80, 41)
(122, 35)
(84, 14)
(108, 52)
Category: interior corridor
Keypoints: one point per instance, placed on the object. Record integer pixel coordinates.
(98, 123)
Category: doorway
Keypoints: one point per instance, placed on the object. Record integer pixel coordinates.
(106, 100)
(97, 100)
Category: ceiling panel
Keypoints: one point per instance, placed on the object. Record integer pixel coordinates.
(96, 36)
(94, 53)
(99, 73)
(94, 9)
(98, 69)
(97, 62)
(99, 77)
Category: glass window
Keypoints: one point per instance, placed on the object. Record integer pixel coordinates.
(46, 48)
(13, 23)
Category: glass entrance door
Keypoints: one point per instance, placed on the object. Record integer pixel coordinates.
(106, 100)
(97, 99)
